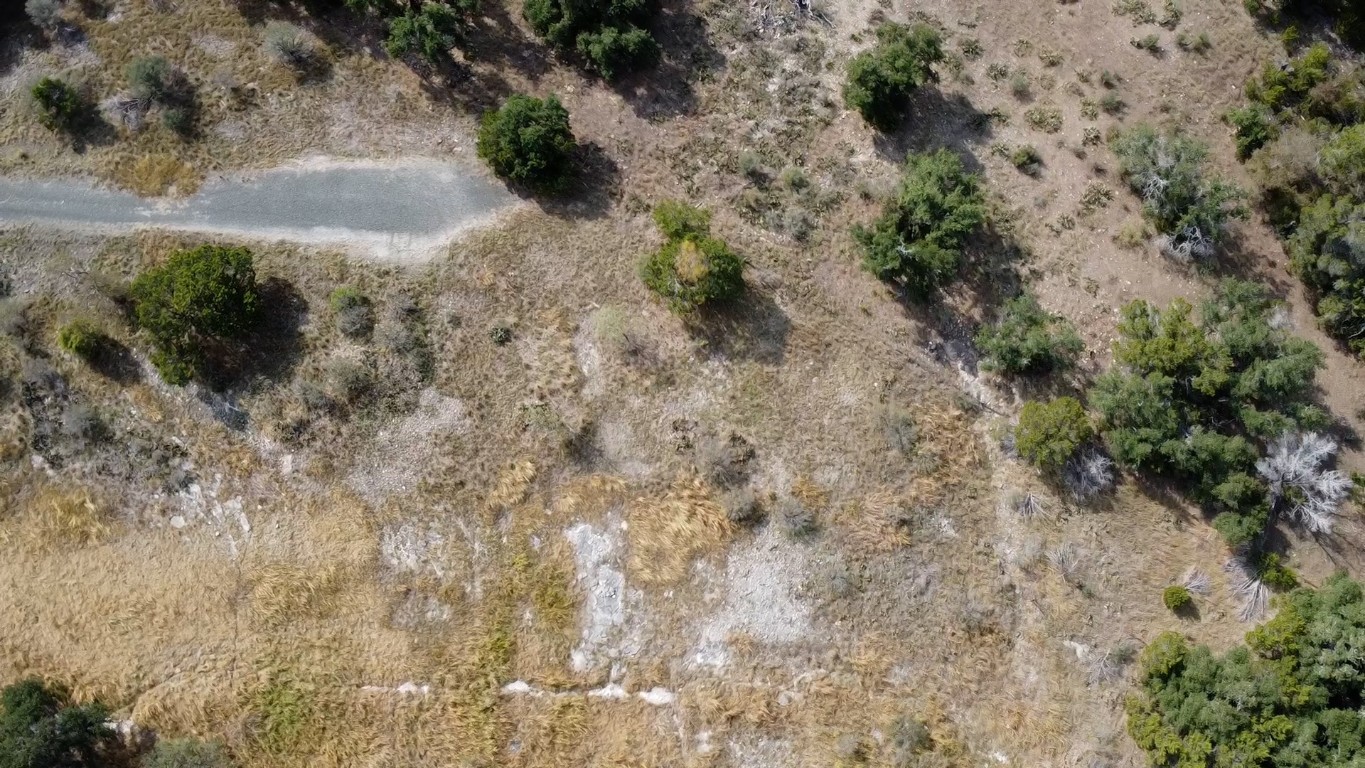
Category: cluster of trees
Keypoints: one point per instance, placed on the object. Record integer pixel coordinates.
(917, 242)
(609, 35)
(41, 727)
(1304, 132)
(425, 28)
(1347, 17)
(1290, 698)
(881, 80)
(693, 269)
(1222, 406)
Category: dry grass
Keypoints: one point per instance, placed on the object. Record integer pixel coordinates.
(667, 532)
(155, 175)
(58, 518)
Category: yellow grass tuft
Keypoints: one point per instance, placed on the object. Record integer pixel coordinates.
(156, 175)
(59, 519)
(512, 485)
(667, 532)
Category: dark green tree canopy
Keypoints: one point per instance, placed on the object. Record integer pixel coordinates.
(608, 34)
(1028, 341)
(1290, 698)
(528, 141)
(881, 80)
(918, 239)
(1193, 401)
(197, 296)
(41, 728)
(1050, 433)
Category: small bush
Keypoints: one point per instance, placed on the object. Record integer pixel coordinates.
(428, 32)
(918, 238)
(1253, 129)
(692, 269)
(1149, 43)
(1026, 158)
(149, 78)
(45, 14)
(1177, 598)
(1113, 104)
(798, 520)
(186, 753)
(1020, 85)
(354, 312)
(1088, 473)
(1199, 44)
(881, 80)
(60, 106)
(197, 297)
(289, 44)
(1028, 341)
(81, 339)
(500, 335)
(529, 141)
(1045, 118)
(1050, 433)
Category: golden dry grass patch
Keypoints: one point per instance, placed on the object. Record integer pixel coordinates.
(667, 531)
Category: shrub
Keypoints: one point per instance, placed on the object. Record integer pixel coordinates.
(41, 728)
(428, 32)
(529, 141)
(500, 335)
(1026, 159)
(1028, 341)
(289, 44)
(1167, 172)
(149, 78)
(881, 80)
(692, 269)
(1284, 87)
(1020, 85)
(608, 34)
(80, 339)
(197, 297)
(1047, 119)
(1252, 128)
(1290, 696)
(918, 238)
(354, 312)
(186, 753)
(1176, 598)
(798, 520)
(1088, 473)
(45, 14)
(60, 106)
(1112, 103)
(1050, 433)
(613, 51)
(1149, 43)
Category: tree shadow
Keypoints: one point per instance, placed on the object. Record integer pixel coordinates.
(686, 54)
(497, 40)
(934, 120)
(270, 351)
(591, 193)
(753, 327)
(115, 361)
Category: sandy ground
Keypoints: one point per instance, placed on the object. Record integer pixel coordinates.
(393, 211)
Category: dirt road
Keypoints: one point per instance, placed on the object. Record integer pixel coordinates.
(392, 211)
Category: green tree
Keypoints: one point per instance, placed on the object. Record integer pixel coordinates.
(150, 77)
(1050, 433)
(428, 32)
(1289, 698)
(529, 141)
(608, 34)
(197, 297)
(692, 269)
(881, 80)
(1028, 341)
(918, 239)
(41, 728)
(60, 106)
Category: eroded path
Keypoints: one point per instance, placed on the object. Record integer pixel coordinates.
(398, 211)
